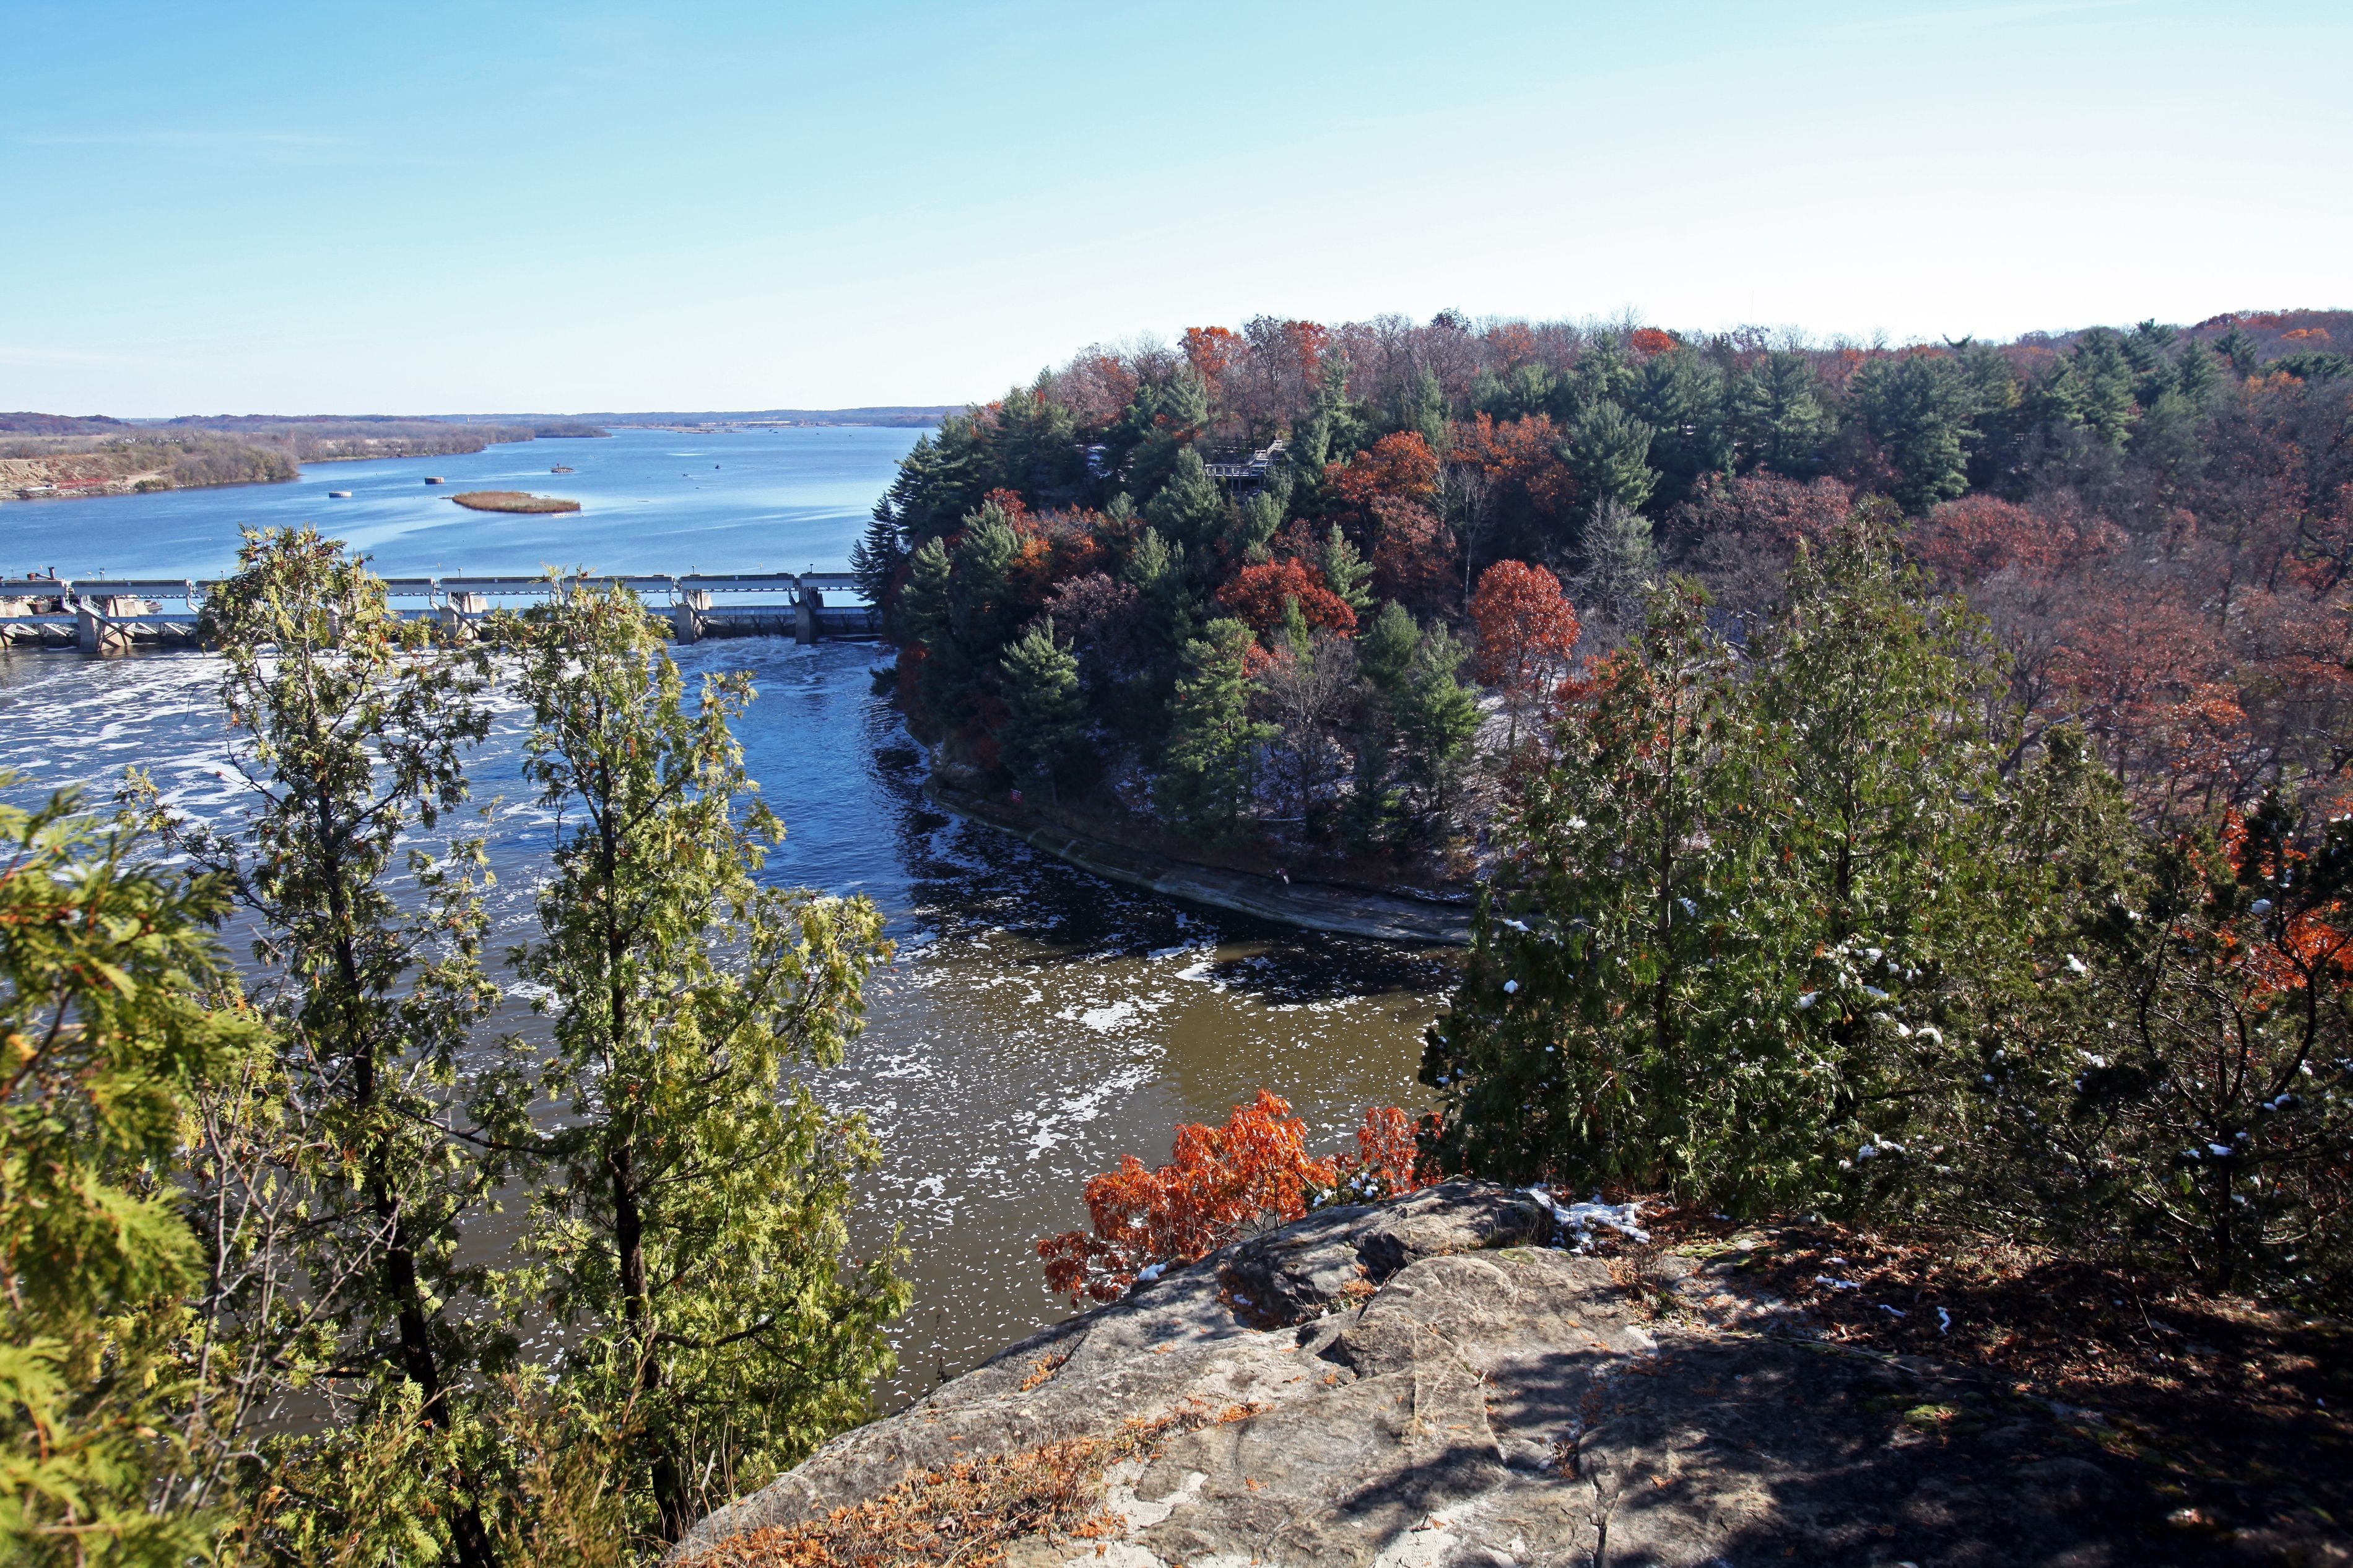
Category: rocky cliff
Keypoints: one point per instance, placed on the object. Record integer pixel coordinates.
(1449, 1381)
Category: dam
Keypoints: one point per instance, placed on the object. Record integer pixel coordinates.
(123, 615)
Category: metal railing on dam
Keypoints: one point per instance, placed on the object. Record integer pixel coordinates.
(114, 615)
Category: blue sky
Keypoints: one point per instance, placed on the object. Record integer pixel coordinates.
(493, 206)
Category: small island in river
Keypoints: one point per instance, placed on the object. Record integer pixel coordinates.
(514, 500)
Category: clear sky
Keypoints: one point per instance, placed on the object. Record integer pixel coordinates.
(500, 206)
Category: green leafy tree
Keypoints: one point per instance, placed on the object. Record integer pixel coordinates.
(1045, 724)
(351, 727)
(1570, 1050)
(687, 1227)
(1211, 759)
(106, 970)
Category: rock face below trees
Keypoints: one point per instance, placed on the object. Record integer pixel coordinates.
(1431, 1384)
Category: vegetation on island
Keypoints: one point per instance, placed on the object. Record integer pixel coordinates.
(243, 1319)
(512, 500)
(1911, 783)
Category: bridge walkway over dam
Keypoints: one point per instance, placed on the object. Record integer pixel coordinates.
(118, 614)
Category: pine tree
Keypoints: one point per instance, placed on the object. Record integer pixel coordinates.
(1348, 574)
(1386, 653)
(1608, 451)
(687, 1228)
(1437, 716)
(875, 561)
(1682, 399)
(1422, 408)
(1189, 512)
(1045, 722)
(1778, 421)
(1918, 408)
(1620, 561)
(1211, 759)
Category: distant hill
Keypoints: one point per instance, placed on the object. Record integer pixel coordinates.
(896, 413)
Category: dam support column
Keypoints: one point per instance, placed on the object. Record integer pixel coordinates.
(805, 615)
(686, 615)
(457, 616)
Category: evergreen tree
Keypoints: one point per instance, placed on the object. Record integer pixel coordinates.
(1570, 1050)
(1778, 421)
(352, 728)
(1918, 408)
(1211, 759)
(928, 608)
(105, 967)
(1157, 572)
(1620, 560)
(875, 561)
(1385, 652)
(1436, 719)
(1422, 408)
(1681, 398)
(1189, 512)
(687, 1226)
(1348, 574)
(1259, 517)
(1608, 451)
(1046, 719)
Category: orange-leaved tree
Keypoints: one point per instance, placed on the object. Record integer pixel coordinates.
(1256, 594)
(1220, 1182)
(1527, 630)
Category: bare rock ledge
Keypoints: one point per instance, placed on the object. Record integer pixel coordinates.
(1437, 1386)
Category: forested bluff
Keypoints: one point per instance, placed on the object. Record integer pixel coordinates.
(47, 456)
(1900, 792)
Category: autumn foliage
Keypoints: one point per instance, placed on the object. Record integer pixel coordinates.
(1257, 595)
(1221, 1182)
(1399, 465)
(1527, 629)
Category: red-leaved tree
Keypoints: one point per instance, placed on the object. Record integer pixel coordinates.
(1220, 1183)
(1527, 631)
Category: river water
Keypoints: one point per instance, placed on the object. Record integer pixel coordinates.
(1037, 1023)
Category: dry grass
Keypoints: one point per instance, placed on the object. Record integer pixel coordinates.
(512, 500)
(966, 1515)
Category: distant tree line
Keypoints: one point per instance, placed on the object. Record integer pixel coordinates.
(1153, 574)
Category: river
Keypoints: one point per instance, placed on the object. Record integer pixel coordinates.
(1037, 1023)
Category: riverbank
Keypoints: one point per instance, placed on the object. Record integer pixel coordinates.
(48, 464)
(1302, 902)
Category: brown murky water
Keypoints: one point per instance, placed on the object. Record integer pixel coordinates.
(1037, 1024)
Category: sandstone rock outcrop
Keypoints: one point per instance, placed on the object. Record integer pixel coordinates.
(1439, 1383)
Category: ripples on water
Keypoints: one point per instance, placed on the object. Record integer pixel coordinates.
(1037, 1024)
